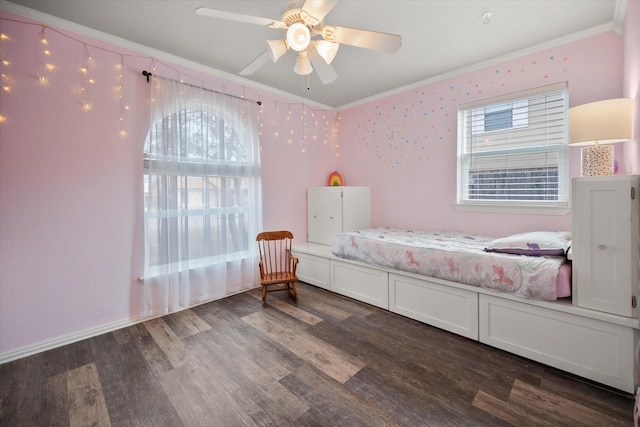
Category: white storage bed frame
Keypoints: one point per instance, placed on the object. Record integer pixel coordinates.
(588, 343)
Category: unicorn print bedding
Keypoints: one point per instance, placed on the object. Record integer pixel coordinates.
(466, 259)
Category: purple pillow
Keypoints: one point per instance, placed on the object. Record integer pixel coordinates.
(534, 243)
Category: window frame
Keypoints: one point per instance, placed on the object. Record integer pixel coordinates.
(466, 131)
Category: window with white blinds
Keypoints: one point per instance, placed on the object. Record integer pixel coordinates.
(512, 150)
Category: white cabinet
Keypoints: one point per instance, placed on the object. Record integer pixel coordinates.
(361, 282)
(605, 243)
(596, 349)
(332, 210)
(313, 264)
(446, 307)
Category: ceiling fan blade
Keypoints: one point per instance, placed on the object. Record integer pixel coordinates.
(325, 71)
(231, 16)
(318, 9)
(362, 38)
(256, 64)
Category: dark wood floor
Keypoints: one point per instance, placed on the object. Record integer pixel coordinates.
(325, 361)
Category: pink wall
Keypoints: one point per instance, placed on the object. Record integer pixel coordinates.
(71, 187)
(404, 146)
(631, 78)
(291, 162)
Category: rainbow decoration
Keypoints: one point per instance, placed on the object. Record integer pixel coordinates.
(335, 179)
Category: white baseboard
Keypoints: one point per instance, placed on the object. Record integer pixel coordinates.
(69, 339)
(92, 332)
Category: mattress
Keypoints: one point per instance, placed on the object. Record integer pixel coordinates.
(459, 258)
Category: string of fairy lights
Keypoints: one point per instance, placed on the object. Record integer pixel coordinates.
(44, 65)
(121, 99)
(316, 124)
(5, 83)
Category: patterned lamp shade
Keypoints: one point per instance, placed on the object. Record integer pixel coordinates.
(596, 125)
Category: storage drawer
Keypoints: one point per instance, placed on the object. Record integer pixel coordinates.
(313, 270)
(362, 283)
(601, 351)
(446, 307)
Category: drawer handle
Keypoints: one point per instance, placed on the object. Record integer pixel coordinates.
(602, 247)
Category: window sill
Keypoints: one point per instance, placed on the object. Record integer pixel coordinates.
(195, 265)
(513, 209)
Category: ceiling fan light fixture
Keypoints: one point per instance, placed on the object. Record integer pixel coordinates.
(277, 48)
(298, 36)
(303, 65)
(327, 50)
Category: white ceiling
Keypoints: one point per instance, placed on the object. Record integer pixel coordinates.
(438, 36)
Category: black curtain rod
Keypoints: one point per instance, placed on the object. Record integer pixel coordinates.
(149, 75)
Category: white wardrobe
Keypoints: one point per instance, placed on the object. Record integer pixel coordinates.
(332, 210)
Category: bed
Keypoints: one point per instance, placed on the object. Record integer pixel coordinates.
(530, 265)
(511, 293)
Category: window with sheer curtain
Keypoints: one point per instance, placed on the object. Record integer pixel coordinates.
(512, 150)
(201, 195)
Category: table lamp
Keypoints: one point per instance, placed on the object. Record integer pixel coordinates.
(596, 126)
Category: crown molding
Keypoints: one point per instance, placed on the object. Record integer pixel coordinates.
(480, 65)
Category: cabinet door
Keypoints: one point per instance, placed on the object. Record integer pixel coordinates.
(332, 202)
(313, 270)
(356, 208)
(315, 202)
(605, 236)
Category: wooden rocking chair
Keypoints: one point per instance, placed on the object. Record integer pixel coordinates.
(277, 264)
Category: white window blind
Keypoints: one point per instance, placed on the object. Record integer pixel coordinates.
(512, 150)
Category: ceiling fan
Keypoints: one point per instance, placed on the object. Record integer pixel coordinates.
(315, 42)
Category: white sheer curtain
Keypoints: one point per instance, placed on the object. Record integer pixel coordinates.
(202, 189)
